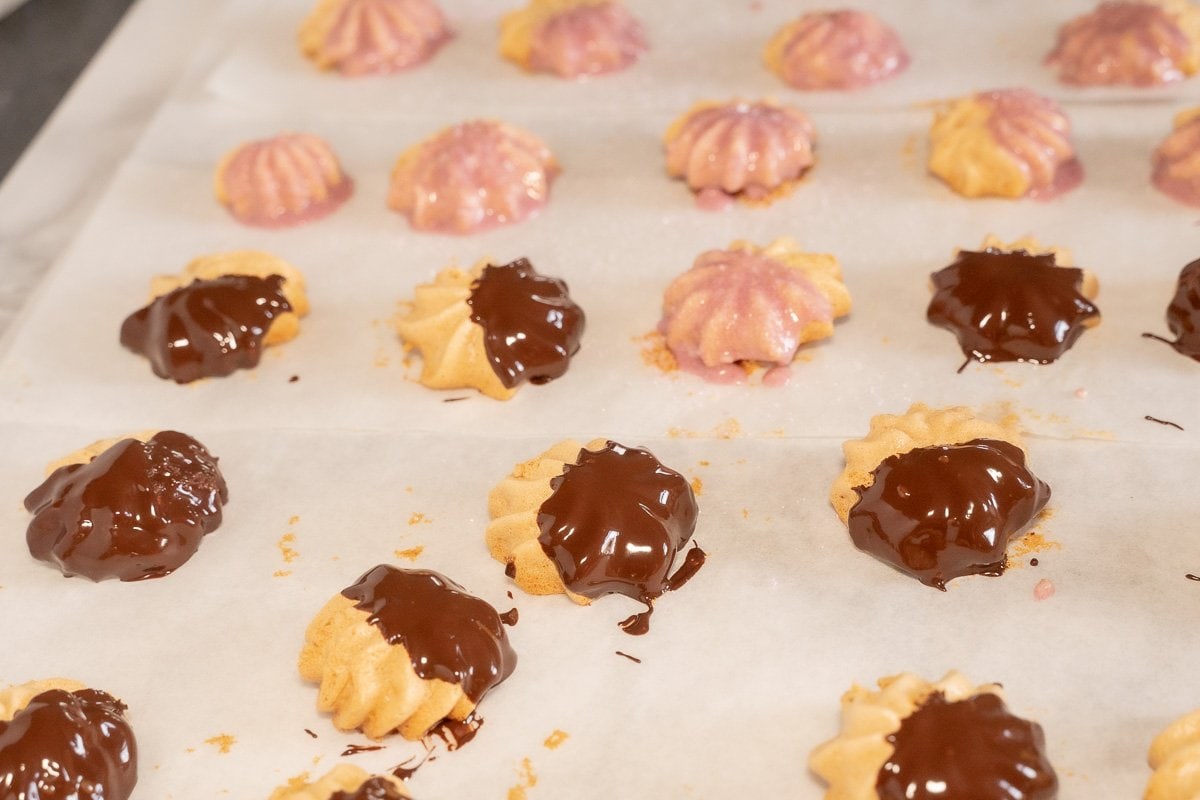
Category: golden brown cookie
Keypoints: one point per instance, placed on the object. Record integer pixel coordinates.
(1175, 758)
(353, 783)
(14, 698)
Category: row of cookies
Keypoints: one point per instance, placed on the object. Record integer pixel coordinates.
(481, 174)
(1137, 43)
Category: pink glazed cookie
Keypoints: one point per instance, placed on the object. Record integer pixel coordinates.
(371, 37)
(286, 180)
(842, 49)
(572, 38)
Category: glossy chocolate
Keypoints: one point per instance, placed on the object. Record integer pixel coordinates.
(938, 513)
(375, 788)
(531, 328)
(1183, 314)
(449, 634)
(972, 749)
(138, 510)
(615, 522)
(70, 745)
(1010, 306)
(208, 328)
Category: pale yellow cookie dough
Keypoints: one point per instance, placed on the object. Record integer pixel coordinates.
(512, 534)
(893, 434)
(369, 684)
(439, 325)
(964, 153)
(14, 699)
(822, 269)
(85, 455)
(342, 778)
(850, 762)
(1175, 759)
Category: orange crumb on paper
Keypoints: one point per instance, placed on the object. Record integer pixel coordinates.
(419, 519)
(655, 352)
(408, 489)
(316, 760)
(297, 782)
(285, 548)
(555, 739)
(281, 573)
(729, 429)
(222, 741)
(745, 513)
(526, 779)
(704, 463)
(1032, 543)
(294, 519)
(190, 750)
(697, 487)
(411, 553)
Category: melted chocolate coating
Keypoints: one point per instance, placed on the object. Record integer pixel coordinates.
(375, 788)
(206, 329)
(71, 745)
(615, 522)
(1183, 314)
(973, 749)
(449, 634)
(531, 328)
(138, 510)
(938, 513)
(1010, 306)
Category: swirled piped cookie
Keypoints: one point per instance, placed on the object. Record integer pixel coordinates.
(286, 180)
(937, 493)
(493, 328)
(344, 782)
(472, 177)
(1129, 42)
(842, 49)
(217, 316)
(1176, 161)
(366, 37)
(1014, 302)
(59, 738)
(1175, 758)
(131, 508)
(1004, 143)
(746, 306)
(950, 740)
(403, 650)
(595, 519)
(572, 38)
(754, 151)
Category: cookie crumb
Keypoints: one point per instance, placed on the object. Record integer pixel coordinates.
(285, 548)
(555, 739)
(222, 741)
(419, 519)
(411, 553)
(526, 779)
(697, 486)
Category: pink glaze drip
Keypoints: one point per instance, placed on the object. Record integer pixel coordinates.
(1126, 43)
(288, 180)
(587, 40)
(1036, 132)
(1043, 590)
(736, 307)
(381, 36)
(840, 50)
(1177, 164)
(741, 148)
(473, 176)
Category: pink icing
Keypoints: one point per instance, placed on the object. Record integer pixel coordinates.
(587, 40)
(287, 180)
(380, 36)
(473, 176)
(741, 148)
(840, 50)
(1043, 590)
(1130, 43)
(1037, 133)
(1177, 164)
(736, 307)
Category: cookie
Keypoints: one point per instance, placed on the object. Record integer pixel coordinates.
(1005, 143)
(594, 520)
(472, 177)
(747, 306)
(283, 181)
(1175, 758)
(371, 37)
(1183, 312)
(937, 493)
(1176, 162)
(344, 782)
(754, 151)
(835, 50)
(1138, 43)
(1017, 302)
(131, 509)
(403, 650)
(493, 328)
(572, 38)
(61, 739)
(217, 315)
(949, 739)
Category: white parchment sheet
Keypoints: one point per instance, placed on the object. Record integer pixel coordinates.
(742, 670)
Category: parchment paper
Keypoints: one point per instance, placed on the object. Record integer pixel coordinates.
(743, 668)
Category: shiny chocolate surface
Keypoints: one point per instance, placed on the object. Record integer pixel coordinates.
(1183, 314)
(375, 788)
